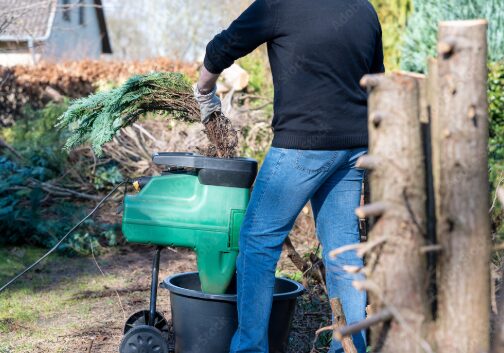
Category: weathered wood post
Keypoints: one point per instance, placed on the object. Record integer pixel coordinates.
(460, 137)
(396, 267)
(340, 322)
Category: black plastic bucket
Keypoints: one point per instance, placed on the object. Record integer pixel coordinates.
(205, 323)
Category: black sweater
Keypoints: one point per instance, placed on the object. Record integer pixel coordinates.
(318, 51)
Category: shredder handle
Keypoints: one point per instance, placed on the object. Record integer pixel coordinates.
(233, 172)
(197, 161)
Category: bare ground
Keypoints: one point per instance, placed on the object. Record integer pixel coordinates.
(68, 305)
(91, 308)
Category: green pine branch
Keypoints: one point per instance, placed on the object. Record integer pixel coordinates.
(98, 118)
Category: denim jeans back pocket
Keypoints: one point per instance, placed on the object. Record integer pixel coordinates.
(313, 161)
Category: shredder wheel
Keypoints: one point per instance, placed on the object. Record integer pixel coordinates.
(142, 318)
(145, 339)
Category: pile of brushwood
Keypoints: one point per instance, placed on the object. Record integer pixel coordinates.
(98, 118)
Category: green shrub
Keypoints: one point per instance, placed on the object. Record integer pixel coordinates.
(496, 141)
(86, 243)
(28, 214)
(25, 218)
(106, 176)
(393, 16)
(35, 137)
(420, 38)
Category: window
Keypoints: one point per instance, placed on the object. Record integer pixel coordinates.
(66, 10)
(82, 12)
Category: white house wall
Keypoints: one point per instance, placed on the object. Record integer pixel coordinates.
(70, 40)
(176, 29)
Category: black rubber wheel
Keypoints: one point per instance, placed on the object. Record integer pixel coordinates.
(142, 318)
(143, 339)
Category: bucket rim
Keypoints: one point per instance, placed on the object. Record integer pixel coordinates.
(167, 284)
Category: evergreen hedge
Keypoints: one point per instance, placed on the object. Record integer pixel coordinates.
(420, 37)
(496, 141)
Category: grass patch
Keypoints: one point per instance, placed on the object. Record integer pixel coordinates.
(13, 260)
(42, 304)
(26, 301)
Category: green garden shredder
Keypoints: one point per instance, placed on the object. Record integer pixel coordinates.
(198, 202)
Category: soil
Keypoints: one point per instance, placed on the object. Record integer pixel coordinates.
(99, 329)
(222, 136)
(94, 307)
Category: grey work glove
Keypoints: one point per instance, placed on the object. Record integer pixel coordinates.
(209, 103)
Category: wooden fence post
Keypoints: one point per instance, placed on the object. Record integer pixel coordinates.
(396, 266)
(460, 136)
(339, 322)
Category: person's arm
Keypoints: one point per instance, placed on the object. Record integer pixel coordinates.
(255, 26)
(207, 81)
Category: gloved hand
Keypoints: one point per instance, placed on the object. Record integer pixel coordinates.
(209, 103)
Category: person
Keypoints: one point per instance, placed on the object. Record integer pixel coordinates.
(318, 51)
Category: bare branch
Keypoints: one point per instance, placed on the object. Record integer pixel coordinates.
(500, 195)
(367, 162)
(60, 191)
(370, 245)
(382, 316)
(498, 247)
(373, 209)
(343, 249)
(352, 269)
(294, 256)
(360, 248)
(431, 248)
(11, 149)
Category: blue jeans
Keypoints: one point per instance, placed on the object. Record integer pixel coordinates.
(287, 180)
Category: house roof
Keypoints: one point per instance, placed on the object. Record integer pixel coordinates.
(25, 20)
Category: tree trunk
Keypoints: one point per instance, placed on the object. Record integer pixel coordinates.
(460, 134)
(396, 267)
